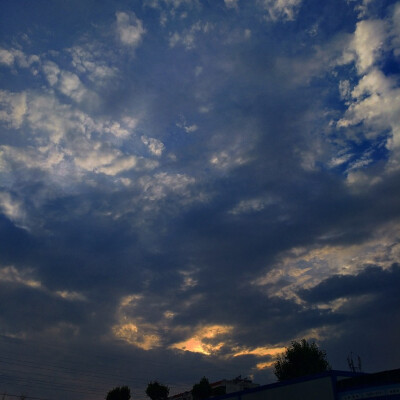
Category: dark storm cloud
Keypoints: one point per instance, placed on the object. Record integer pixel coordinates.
(26, 308)
(257, 319)
(19, 242)
(372, 280)
(207, 157)
(369, 315)
(370, 323)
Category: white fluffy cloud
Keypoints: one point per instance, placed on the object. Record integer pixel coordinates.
(376, 104)
(17, 57)
(122, 129)
(396, 30)
(253, 205)
(13, 108)
(281, 9)
(361, 6)
(130, 29)
(6, 57)
(90, 59)
(68, 83)
(52, 72)
(375, 100)
(108, 163)
(231, 3)
(71, 86)
(187, 38)
(155, 146)
(158, 186)
(64, 141)
(187, 127)
(368, 42)
(11, 207)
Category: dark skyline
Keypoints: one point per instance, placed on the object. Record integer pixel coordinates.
(186, 186)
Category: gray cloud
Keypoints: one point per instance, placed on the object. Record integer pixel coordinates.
(223, 193)
(371, 280)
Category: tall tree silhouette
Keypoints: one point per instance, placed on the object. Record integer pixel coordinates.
(157, 391)
(300, 358)
(202, 390)
(119, 393)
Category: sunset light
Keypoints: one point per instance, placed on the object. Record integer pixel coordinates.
(189, 186)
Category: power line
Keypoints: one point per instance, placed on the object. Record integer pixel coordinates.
(5, 394)
(55, 368)
(71, 370)
(48, 385)
(151, 363)
(100, 356)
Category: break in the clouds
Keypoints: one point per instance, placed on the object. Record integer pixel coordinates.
(195, 184)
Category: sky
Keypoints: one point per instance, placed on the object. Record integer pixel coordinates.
(186, 186)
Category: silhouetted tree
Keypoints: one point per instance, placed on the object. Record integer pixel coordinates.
(299, 359)
(157, 391)
(202, 390)
(119, 393)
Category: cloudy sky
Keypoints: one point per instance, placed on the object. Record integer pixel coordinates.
(188, 185)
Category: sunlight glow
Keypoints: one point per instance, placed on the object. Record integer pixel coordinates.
(23, 277)
(67, 295)
(135, 330)
(303, 268)
(138, 337)
(261, 352)
(265, 365)
(198, 343)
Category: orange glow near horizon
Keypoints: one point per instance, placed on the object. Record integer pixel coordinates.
(196, 343)
(264, 365)
(261, 351)
(142, 338)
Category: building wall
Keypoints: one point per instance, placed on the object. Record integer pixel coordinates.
(309, 390)
(388, 392)
(232, 386)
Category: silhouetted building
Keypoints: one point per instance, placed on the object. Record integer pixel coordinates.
(380, 385)
(221, 387)
(330, 385)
